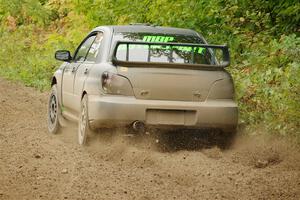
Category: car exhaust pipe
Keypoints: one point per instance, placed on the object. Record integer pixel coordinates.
(138, 126)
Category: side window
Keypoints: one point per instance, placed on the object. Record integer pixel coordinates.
(94, 50)
(83, 49)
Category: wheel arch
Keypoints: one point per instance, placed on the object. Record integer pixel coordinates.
(56, 80)
(53, 81)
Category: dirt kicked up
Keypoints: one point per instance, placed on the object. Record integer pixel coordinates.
(36, 165)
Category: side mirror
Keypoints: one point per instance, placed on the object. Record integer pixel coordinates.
(63, 55)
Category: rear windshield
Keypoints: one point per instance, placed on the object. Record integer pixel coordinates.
(162, 53)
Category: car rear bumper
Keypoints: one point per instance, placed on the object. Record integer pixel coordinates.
(111, 111)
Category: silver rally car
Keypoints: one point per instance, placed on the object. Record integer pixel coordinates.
(143, 76)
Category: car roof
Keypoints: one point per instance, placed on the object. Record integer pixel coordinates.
(148, 29)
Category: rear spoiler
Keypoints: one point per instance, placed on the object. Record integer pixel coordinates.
(128, 63)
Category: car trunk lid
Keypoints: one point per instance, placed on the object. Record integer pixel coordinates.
(178, 84)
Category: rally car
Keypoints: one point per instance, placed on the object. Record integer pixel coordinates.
(143, 76)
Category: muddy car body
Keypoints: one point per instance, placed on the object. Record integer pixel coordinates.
(143, 75)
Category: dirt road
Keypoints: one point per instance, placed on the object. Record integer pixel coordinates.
(36, 165)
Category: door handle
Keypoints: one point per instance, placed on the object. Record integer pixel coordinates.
(86, 70)
(73, 69)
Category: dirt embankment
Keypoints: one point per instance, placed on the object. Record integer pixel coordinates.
(36, 165)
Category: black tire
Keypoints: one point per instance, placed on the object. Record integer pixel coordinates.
(84, 130)
(54, 111)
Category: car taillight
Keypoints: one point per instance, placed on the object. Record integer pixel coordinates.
(116, 84)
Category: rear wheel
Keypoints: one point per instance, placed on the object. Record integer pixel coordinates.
(54, 111)
(83, 125)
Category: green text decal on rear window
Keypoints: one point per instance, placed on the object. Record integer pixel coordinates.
(157, 38)
(165, 39)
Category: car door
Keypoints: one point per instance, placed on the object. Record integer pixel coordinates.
(70, 72)
(83, 70)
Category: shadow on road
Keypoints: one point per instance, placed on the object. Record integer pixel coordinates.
(176, 140)
(158, 140)
(193, 140)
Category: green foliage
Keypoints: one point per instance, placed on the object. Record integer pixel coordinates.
(268, 83)
(25, 11)
(29, 57)
(263, 37)
(282, 15)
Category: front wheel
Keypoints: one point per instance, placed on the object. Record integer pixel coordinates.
(83, 125)
(54, 111)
